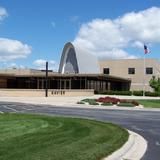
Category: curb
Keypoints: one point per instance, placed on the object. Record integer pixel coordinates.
(133, 149)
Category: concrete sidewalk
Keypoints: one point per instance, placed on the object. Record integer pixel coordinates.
(133, 149)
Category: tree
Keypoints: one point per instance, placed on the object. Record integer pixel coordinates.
(155, 83)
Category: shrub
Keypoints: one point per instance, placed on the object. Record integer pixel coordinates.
(115, 93)
(86, 100)
(135, 93)
(138, 93)
(135, 103)
(155, 83)
(90, 101)
(147, 93)
(152, 94)
(81, 102)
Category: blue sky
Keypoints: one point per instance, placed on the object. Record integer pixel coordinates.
(33, 31)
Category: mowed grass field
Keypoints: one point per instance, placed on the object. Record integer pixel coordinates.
(35, 137)
(150, 103)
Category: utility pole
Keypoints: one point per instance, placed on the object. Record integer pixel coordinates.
(46, 88)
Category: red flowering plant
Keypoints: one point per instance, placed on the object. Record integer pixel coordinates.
(113, 100)
(108, 100)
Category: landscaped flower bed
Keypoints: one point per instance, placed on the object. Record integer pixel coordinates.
(110, 101)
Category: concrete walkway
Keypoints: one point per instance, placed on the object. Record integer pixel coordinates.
(133, 149)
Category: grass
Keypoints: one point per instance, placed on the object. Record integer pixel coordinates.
(107, 104)
(150, 103)
(33, 137)
(90, 101)
(125, 104)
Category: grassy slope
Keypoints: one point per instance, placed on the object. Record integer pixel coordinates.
(150, 103)
(30, 137)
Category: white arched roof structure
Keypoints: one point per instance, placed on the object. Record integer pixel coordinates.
(77, 60)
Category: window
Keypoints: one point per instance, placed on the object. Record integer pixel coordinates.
(106, 70)
(149, 70)
(131, 70)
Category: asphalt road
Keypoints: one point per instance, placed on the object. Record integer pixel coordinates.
(146, 123)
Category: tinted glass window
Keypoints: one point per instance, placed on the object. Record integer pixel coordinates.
(149, 70)
(106, 70)
(131, 70)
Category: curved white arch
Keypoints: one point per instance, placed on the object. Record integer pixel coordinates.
(76, 60)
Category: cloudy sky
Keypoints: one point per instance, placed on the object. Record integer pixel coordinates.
(32, 32)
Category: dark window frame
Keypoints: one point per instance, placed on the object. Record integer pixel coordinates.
(149, 70)
(131, 70)
(106, 71)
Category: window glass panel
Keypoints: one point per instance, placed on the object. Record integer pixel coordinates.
(149, 70)
(106, 70)
(131, 70)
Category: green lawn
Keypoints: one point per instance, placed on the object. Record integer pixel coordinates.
(125, 104)
(33, 137)
(150, 103)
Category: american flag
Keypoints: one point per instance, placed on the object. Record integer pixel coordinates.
(146, 50)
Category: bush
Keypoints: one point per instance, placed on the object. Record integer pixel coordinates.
(147, 93)
(129, 93)
(81, 102)
(135, 103)
(115, 93)
(90, 101)
(152, 94)
(155, 83)
(138, 93)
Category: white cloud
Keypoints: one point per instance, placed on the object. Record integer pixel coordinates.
(13, 65)
(3, 13)
(41, 64)
(13, 49)
(138, 44)
(108, 38)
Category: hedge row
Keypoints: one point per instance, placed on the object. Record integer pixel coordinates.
(129, 93)
(115, 93)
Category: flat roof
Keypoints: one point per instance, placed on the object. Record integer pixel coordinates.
(41, 74)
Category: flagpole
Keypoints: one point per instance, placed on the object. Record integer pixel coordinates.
(144, 73)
